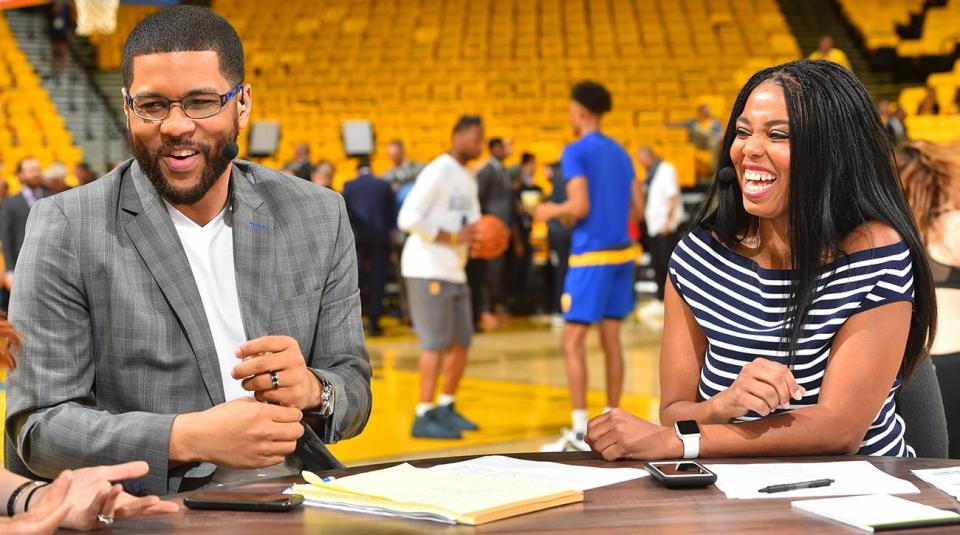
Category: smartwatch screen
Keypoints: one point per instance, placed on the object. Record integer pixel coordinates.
(688, 427)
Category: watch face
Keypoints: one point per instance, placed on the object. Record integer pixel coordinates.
(688, 427)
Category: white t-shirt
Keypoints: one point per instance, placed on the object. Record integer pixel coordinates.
(663, 187)
(210, 252)
(444, 197)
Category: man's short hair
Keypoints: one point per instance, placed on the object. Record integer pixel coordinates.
(185, 29)
(592, 96)
(495, 142)
(465, 122)
(21, 162)
(363, 162)
(397, 143)
(526, 158)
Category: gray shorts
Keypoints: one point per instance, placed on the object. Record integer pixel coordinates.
(441, 313)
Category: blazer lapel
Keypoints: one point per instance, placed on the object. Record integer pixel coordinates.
(254, 243)
(144, 217)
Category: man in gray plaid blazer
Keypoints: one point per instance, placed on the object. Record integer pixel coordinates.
(137, 342)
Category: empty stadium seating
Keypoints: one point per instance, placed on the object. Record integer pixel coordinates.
(29, 123)
(412, 67)
(877, 21)
(942, 127)
(940, 33)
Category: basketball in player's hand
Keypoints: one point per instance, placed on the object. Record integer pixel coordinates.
(490, 238)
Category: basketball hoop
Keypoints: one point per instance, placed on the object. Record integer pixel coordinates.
(96, 16)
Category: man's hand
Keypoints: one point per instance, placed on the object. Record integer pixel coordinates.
(466, 235)
(544, 212)
(621, 435)
(8, 280)
(238, 434)
(298, 386)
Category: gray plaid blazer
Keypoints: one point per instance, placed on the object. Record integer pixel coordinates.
(116, 342)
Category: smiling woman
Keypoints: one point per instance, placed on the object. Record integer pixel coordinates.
(803, 284)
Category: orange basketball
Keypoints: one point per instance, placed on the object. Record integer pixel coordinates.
(490, 238)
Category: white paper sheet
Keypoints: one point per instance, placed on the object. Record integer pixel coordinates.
(872, 512)
(945, 479)
(558, 475)
(744, 481)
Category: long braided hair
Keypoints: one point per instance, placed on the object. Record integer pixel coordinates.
(842, 175)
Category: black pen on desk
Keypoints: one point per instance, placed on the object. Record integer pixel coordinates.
(796, 486)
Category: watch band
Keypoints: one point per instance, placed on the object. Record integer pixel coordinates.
(691, 446)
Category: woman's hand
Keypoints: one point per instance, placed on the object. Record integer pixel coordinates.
(44, 516)
(621, 435)
(762, 386)
(92, 492)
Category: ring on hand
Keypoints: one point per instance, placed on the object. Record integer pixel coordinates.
(274, 380)
(106, 520)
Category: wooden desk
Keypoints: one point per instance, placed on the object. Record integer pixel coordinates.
(638, 506)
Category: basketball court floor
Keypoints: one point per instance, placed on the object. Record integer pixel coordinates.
(514, 389)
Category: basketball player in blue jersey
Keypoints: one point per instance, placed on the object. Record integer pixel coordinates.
(601, 191)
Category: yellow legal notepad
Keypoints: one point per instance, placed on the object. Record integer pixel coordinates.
(419, 493)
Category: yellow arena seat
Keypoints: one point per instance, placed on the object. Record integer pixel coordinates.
(410, 66)
(29, 123)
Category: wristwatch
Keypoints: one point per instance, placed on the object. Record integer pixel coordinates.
(327, 395)
(688, 431)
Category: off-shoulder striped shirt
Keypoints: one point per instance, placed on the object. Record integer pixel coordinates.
(741, 308)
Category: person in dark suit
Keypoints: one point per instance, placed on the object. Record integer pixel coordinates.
(496, 198)
(14, 212)
(300, 164)
(372, 208)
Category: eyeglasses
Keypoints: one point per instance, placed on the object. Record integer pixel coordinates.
(197, 106)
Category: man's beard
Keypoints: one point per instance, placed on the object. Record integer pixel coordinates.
(214, 165)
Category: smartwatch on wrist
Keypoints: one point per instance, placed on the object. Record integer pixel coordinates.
(688, 431)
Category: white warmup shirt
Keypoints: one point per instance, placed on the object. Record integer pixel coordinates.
(663, 187)
(443, 198)
(210, 252)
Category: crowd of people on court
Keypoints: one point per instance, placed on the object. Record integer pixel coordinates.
(190, 319)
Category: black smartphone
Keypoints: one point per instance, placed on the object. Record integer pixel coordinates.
(243, 501)
(681, 474)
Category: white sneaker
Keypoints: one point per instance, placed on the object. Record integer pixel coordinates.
(556, 446)
(568, 441)
(576, 442)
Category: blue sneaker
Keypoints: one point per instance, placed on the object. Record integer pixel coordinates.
(433, 424)
(455, 419)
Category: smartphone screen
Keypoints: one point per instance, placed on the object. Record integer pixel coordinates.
(680, 469)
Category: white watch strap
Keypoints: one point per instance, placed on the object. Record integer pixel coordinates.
(691, 446)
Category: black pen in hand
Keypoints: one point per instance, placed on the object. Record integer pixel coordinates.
(796, 486)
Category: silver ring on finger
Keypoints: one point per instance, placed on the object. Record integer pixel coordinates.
(105, 519)
(274, 381)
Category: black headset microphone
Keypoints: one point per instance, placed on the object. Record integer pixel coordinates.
(726, 177)
(230, 151)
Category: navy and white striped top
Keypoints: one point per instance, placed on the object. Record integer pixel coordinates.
(740, 307)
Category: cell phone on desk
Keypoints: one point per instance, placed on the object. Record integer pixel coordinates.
(243, 501)
(681, 474)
